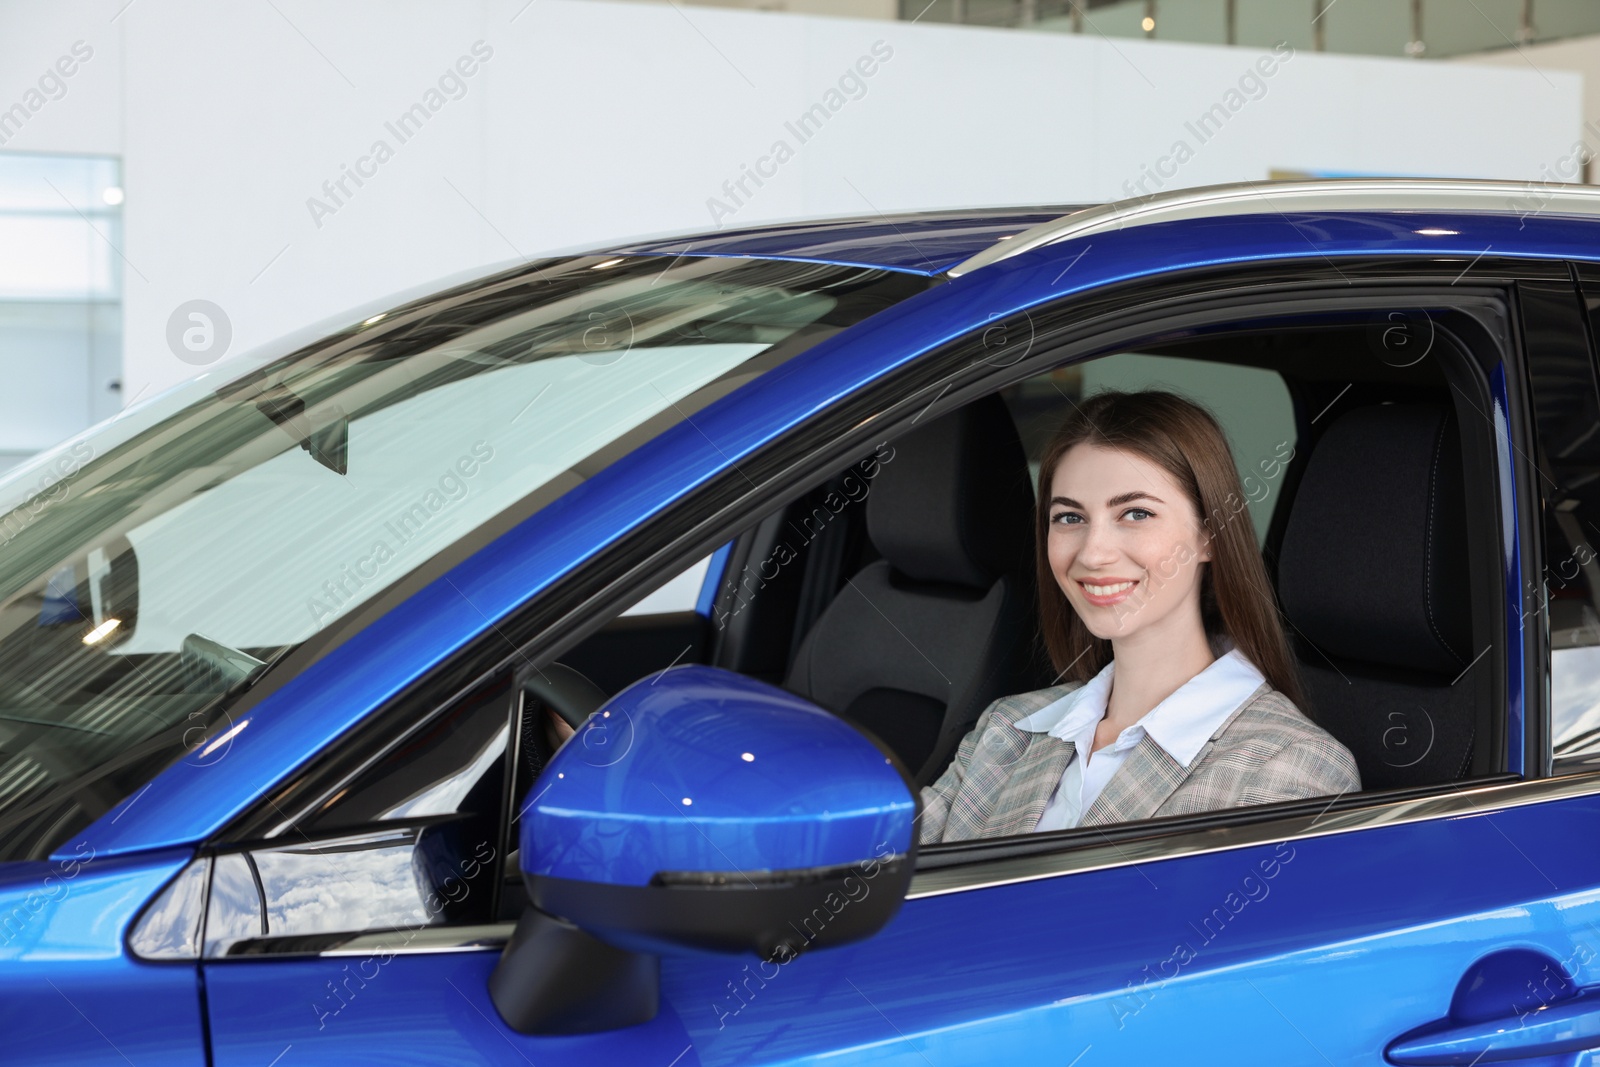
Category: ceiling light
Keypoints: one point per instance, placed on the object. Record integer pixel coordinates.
(101, 632)
(112, 195)
(1149, 24)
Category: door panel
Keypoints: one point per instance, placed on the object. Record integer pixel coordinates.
(1312, 951)
(1355, 939)
(70, 993)
(406, 1009)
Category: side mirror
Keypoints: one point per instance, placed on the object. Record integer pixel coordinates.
(718, 814)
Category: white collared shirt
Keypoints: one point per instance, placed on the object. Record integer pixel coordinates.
(1180, 724)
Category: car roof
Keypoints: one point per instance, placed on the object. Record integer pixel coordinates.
(957, 242)
(1323, 196)
(926, 242)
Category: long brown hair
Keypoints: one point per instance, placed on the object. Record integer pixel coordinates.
(1182, 439)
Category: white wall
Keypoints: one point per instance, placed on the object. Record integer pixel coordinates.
(596, 121)
(1579, 56)
(861, 9)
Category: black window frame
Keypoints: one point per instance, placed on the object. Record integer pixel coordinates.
(1561, 320)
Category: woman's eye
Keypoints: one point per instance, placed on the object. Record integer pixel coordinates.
(1138, 514)
(1067, 518)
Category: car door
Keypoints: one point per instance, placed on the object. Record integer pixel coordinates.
(1434, 925)
(1426, 922)
(1313, 933)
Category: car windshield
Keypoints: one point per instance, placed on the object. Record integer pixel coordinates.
(157, 566)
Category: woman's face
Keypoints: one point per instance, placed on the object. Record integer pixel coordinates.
(1125, 543)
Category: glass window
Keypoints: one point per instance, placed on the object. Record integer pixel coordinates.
(156, 566)
(1567, 592)
(60, 297)
(682, 593)
(310, 896)
(1567, 411)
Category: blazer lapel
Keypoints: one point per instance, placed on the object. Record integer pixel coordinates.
(1141, 785)
(1028, 787)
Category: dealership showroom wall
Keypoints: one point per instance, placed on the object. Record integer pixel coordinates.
(258, 156)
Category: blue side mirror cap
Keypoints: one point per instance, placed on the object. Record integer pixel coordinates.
(698, 811)
(700, 771)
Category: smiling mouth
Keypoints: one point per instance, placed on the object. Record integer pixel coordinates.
(1104, 594)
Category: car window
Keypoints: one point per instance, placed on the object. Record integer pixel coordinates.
(1567, 415)
(681, 593)
(1410, 715)
(416, 841)
(320, 537)
(1420, 708)
(1567, 593)
(156, 567)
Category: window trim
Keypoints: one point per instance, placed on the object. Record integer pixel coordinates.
(1071, 330)
(1244, 828)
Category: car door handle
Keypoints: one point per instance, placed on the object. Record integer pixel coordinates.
(1515, 1004)
(1569, 1026)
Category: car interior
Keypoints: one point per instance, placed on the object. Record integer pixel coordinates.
(898, 593)
(908, 610)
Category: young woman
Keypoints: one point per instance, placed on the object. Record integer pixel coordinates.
(1155, 606)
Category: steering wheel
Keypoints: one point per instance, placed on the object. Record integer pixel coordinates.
(566, 692)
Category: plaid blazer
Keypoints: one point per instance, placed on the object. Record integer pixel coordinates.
(1002, 776)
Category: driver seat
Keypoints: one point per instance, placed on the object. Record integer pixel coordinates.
(918, 643)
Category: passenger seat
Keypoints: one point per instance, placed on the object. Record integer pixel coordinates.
(1373, 575)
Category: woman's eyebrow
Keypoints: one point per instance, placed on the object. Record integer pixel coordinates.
(1116, 501)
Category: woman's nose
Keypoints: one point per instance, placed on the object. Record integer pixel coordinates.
(1099, 545)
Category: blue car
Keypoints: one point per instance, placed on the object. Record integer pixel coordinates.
(286, 654)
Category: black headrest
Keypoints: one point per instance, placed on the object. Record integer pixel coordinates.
(1374, 560)
(954, 504)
